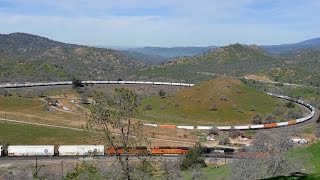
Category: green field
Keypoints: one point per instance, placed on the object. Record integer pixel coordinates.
(191, 105)
(222, 172)
(313, 154)
(11, 133)
(32, 110)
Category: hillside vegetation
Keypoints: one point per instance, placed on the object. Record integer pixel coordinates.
(235, 103)
(234, 60)
(26, 57)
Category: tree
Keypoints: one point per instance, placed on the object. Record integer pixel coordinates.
(270, 118)
(234, 133)
(193, 156)
(266, 157)
(294, 114)
(214, 130)
(317, 130)
(224, 141)
(171, 169)
(257, 119)
(213, 107)
(76, 83)
(111, 123)
(197, 173)
(162, 93)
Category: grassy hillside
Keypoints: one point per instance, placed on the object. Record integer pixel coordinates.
(32, 110)
(235, 60)
(29, 134)
(191, 105)
(26, 57)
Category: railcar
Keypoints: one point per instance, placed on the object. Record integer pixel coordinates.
(1, 150)
(168, 151)
(31, 150)
(81, 150)
(258, 126)
(131, 151)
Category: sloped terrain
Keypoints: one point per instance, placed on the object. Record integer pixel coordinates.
(235, 103)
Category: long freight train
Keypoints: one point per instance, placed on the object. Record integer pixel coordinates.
(98, 150)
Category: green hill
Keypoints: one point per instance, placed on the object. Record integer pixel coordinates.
(26, 57)
(233, 60)
(236, 103)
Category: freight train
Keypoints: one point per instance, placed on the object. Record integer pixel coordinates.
(99, 150)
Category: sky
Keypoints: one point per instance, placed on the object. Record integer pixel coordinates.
(164, 22)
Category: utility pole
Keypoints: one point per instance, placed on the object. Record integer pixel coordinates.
(62, 169)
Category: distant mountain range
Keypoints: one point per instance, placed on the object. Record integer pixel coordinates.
(163, 53)
(26, 57)
(171, 52)
(286, 48)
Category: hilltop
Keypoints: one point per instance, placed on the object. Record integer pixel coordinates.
(233, 60)
(235, 103)
(26, 57)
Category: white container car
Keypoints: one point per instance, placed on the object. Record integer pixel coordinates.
(1, 150)
(81, 150)
(43, 150)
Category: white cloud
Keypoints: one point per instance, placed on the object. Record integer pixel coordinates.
(188, 22)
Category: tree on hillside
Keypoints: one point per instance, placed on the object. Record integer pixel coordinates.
(162, 93)
(76, 83)
(234, 133)
(171, 169)
(257, 119)
(194, 156)
(270, 118)
(267, 157)
(111, 123)
(214, 130)
(317, 130)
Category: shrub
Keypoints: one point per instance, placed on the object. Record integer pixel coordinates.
(270, 118)
(162, 93)
(294, 114)
(147, 107)
(224, 141)
(163, 107)
(213, 107)
(214, 131)
(234, 133)
(257, 119)
(224, 98)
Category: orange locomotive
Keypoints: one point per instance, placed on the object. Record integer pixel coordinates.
(146, 151)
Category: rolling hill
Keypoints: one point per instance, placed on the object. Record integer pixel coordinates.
(236, 103)
(234, 60)
(286, 48)
(26, 57)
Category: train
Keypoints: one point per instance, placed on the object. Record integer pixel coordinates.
(29, 84)
(99, 150)
(252, 126)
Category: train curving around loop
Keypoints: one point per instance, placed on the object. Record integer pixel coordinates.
(188, 127)
(100, 150)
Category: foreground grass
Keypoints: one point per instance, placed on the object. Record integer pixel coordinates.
(222, 172)
(313, 151)
(12, 133)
